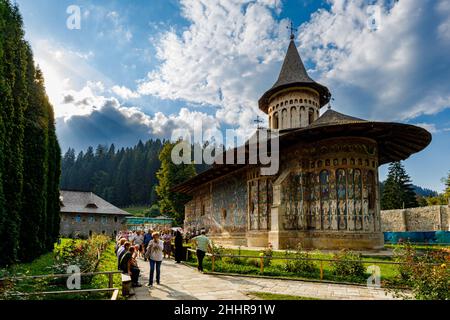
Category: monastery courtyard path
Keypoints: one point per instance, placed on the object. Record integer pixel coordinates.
(180, 282)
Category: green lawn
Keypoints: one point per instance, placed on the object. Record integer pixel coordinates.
(277, 266)
(275, 296)
(137, 211)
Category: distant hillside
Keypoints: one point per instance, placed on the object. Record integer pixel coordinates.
(424, 192)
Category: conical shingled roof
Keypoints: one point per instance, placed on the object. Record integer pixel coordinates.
(293, 69)
(293, 74)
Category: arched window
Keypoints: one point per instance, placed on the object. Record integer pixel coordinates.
(284, 121)
(311, 116)
(294, 117)
(224, 214)
(203, 210)
(324, 185)
(275, 120)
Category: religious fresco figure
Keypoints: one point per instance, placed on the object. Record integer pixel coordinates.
(341, 195)
(358, 195)
(324, 198)
(350, 200)
(365, 214)
(326, 215)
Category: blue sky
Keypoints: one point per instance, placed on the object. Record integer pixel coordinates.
(143, 68)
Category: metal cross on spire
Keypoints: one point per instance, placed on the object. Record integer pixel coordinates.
(292, 29)
(258, 121)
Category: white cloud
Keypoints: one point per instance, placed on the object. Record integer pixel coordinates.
(230, 54)
(65, 71)
(225, 58)
(125, 93)
(431, 127)
(106, 121)
(119, 28)
(388, 73)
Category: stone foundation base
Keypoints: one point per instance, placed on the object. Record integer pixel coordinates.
(330, 240)
(257, 239)
(326, 240)
(236, 239)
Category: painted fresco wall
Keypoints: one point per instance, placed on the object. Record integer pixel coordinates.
(229, 202)
(334, 192)
(260, 202)
(220, 208)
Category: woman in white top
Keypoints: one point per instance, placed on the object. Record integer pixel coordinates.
(155, 255)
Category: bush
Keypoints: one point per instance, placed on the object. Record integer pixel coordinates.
(348, 265)
(254, 262)
(217, 250)
(300, 266)
(427, 275)
(267, 254)
(82, 253)
(235, 260)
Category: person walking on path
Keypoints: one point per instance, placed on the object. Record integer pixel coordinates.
(178, 246)
(147, 239)
(167, 238)
(155, 254)
(203, 245)
(139, 241)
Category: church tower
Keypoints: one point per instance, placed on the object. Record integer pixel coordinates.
(295, 99)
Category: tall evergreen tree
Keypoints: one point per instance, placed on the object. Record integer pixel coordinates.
(14, 99)
(34, 196)
(398, 191)
(54, 173)
(5, 93)
(124, 177)
(27, 135)
(170, 175)
(447, 187)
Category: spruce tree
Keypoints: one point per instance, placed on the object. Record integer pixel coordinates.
(170, 175)
(447, 188)
(398, 191)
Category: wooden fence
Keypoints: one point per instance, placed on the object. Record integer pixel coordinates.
(110, 288)
(320, 260)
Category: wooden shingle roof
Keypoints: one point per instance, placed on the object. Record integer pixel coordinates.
(293, 74)
(87, 202)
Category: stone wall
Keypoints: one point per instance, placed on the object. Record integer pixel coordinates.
(431, 218)
(84, 225)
